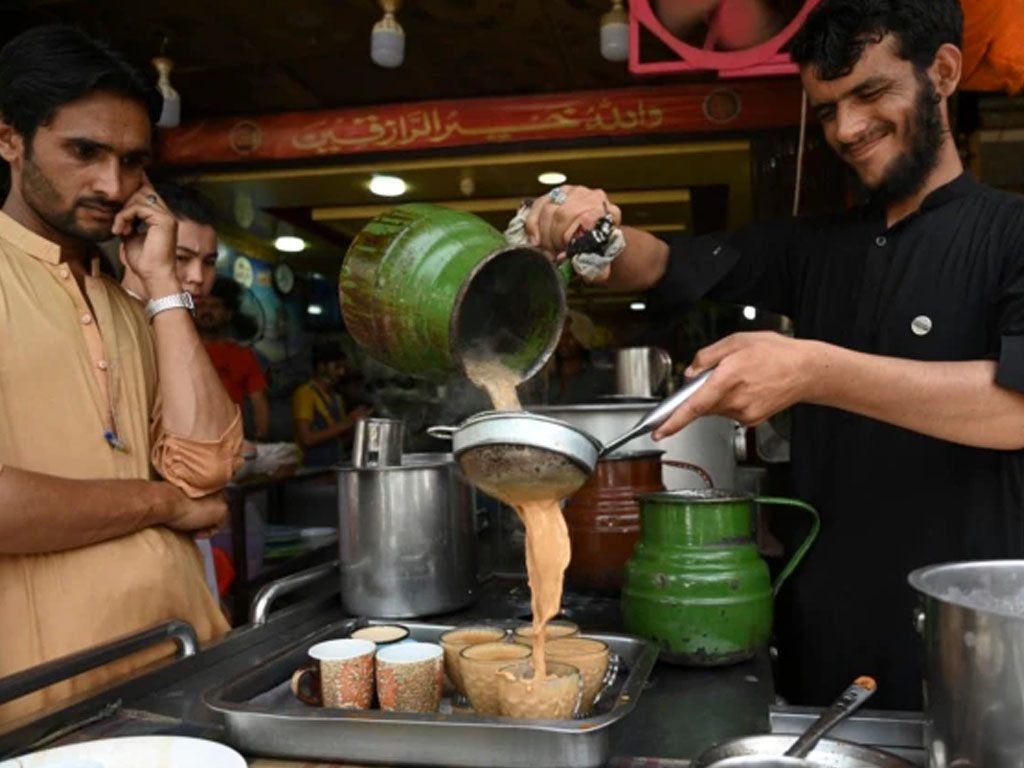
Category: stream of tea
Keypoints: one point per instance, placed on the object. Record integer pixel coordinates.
(547, 536)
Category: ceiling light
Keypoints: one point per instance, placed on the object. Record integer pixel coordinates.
(315, 309)
(387, 41)
(290, 244)
(638, 306)
(552, 177)
(170, 113)
(615, 33)
(387, 186)
(750, 313)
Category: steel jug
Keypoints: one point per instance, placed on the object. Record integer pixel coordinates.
(696, 584)
(423, 285)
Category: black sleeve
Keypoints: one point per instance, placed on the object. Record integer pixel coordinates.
(755, 265)
(1010, 315)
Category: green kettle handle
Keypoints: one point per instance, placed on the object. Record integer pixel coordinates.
(794, 561)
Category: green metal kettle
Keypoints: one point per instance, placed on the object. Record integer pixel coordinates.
(696, 584)
(423, 285)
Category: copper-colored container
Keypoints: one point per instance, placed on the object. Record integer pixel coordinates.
(604, 516)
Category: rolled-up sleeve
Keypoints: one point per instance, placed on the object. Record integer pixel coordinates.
(197, 467)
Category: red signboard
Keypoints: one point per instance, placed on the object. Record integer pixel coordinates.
(691, 108)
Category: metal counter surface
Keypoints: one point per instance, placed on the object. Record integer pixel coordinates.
(680, 712)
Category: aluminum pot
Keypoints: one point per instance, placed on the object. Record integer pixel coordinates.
(406, 538)
(827, 752)
(709, 442)
(972, 621)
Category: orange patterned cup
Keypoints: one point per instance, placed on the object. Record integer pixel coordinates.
(410, 677)
(341, 678)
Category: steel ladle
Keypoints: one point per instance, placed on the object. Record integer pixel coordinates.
(795, 757)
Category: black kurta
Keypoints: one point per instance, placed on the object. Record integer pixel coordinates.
(944, 284)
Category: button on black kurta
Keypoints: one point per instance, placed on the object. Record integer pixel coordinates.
(944, 284)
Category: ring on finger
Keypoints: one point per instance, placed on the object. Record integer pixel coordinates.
(558, 196)
(151, 199)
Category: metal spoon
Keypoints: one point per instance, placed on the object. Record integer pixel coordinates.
(659, 414)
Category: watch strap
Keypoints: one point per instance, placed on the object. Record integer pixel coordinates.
(175, 301)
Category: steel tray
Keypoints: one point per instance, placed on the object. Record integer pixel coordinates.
(263, 718)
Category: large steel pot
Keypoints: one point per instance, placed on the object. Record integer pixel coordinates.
(709, 442)
(972, 621)
(406, 538)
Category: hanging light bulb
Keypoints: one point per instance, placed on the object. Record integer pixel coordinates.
(387, 42)
(170, 114)
(615, 33)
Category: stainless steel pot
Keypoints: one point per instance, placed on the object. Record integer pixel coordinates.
(972, 621)
(828, 753)
(406, 538)
(709, 442)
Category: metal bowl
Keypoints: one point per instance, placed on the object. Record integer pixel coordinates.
(828, 753)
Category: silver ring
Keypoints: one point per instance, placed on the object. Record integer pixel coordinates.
(558, 196)
(151, 199)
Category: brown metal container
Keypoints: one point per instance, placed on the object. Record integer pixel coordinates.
(604, 518)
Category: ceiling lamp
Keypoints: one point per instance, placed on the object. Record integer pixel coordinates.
(170, 114)
(387, 186)
(290, 244)
(552, 177)
(615, 33)
(387, 41)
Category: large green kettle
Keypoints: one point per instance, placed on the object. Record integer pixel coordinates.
(422, 286)
(696, 584)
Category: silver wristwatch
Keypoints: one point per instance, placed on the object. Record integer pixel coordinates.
(184, 300)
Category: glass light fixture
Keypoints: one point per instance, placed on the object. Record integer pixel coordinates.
(289, 244)
(387, 186)
(387, 41)
(170, 113)
(552, 177)
(615, 33)
(638, 306)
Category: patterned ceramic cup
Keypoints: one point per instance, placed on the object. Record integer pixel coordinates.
(341, 677)
(589, 656)
(479, 665)
(554, 629)
(556, 697)
(410, 677)
(454, 640)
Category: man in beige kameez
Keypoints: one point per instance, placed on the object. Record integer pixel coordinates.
(98, 395)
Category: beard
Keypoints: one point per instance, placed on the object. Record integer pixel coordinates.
(907, 173)
(41, 195)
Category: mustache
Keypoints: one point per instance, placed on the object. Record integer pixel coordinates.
(867, 138)
(101, 202)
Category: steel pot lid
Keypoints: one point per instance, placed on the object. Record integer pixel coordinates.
(991, 586)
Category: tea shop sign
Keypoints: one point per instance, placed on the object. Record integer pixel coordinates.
(691, 108)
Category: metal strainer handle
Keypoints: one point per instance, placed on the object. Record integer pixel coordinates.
(442, 433)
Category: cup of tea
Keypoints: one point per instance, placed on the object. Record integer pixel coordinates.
(341, 676)
(410, 677)
(554, 629)
(382, 634)
(556, 697)
(591, 657)
(479, 665)
(454, 640)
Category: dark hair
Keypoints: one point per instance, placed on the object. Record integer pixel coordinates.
(836, 32)
(186, 203)
(326, 351)
(228, 291)
(45, 68)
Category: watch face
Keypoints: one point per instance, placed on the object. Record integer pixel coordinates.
(242, 272)
(284, 278)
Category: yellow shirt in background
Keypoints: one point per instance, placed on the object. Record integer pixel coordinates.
(68, 374)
